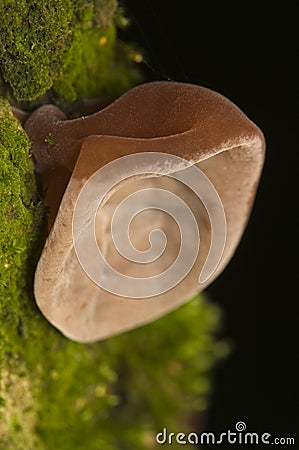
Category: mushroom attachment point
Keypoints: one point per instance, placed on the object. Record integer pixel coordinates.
(147, 200)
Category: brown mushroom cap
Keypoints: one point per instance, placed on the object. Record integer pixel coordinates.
(185, 120)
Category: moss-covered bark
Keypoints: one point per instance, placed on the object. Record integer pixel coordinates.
(57, 394)
(57, 51)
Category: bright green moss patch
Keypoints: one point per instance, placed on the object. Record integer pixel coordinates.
(57, 44)
(98, 67)
(35, 36)
(20, 225)
(17, 200)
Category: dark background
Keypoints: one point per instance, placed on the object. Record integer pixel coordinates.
(250, 57)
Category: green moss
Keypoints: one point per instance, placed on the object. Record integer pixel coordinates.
(49, 140)
(104, 11)
(18, 415)
(98, 66)
(58, 44)
(18, 196)
(34, 39)
(20, 229)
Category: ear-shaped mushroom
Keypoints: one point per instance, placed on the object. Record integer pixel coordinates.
(181, 120)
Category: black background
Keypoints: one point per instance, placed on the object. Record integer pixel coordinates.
(250, 57)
